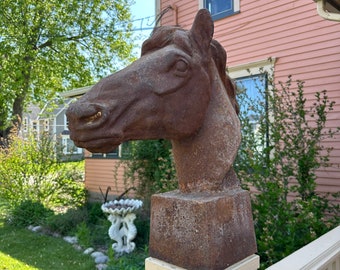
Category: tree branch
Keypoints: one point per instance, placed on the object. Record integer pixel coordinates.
(49, 42)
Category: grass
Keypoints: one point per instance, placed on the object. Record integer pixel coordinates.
(9, 263)
(21, 249)
(28, 250)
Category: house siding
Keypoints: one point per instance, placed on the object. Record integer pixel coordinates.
(60, 124)
(303, 44)
(102, 173)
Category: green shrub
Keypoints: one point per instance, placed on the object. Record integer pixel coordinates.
(99, 233)
(83, 234)
(279, 158)
(29, 213)
(69, 190)
(66, 223)
(94, 212)
(142, 223)
(97, 224)
(30, 170)
(88, 223)
(131, 261)
(150, 168)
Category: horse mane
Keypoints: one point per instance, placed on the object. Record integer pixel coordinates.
(165, 35)
(219, 56)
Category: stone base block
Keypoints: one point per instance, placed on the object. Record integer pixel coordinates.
(250, 263)
(155, 264)
(201, 231)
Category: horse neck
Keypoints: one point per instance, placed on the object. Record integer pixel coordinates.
(204, 162)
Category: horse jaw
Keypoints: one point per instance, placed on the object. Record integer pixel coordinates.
(204, 161)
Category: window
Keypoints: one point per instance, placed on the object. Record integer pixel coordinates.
(252, 88)
(122, 151)
(252, 76)
(221, 8)
(113, 154)
(68, 145)
(251, 80)
(35, 126)
(46, 125)
(25, 124)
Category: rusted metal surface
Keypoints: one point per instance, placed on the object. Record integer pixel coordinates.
(178, 90)
(203, 230)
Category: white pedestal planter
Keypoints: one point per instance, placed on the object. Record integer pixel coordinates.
(122, 230)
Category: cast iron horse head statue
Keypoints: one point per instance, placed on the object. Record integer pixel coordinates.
(177, 90)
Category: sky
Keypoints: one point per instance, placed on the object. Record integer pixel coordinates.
(143, 14)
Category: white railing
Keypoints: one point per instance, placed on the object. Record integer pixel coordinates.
(321, 254)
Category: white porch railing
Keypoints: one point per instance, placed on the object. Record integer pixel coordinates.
(321, 254)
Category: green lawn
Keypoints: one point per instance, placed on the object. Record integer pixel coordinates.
(9, 263)
(21, 249)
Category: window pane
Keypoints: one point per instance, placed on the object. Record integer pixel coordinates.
(113, 154)
(219, 6)
(251, 98)
(252, 88)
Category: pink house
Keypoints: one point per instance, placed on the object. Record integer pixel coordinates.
(292, 33)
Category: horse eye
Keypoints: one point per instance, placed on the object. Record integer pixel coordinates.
(181, 68)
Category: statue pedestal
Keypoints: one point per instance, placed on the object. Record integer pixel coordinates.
(250, 263)
(198, 231)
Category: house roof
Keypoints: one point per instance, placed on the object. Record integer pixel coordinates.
(36, 113)
(76, 92)
(32, 111)
(62, 107)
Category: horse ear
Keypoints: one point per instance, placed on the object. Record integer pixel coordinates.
(202, 29)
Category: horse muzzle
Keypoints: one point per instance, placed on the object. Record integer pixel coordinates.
(85, 116)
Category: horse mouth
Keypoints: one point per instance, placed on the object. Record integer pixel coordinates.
(103, 145)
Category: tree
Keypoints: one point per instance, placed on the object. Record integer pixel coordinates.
(51, 46)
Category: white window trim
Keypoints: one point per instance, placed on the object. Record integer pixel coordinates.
(252, 68)
(46, 125)
(65, 122)
(36, 124)
(236, 5)
(25, 124)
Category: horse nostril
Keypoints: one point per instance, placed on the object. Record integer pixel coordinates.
(84, 114)
(92, 118)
